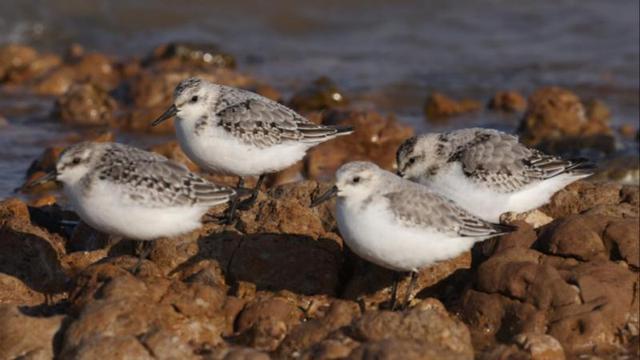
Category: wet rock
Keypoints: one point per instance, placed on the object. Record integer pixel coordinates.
(623, 169)
(508, 101)
(376, 138)
(14, 57)
(557, 121)
(27, 337)
(85, 104)
(94, 68)
(628, 131)
(439, 106)
(150, 93)
(192, 54)
(321, 94)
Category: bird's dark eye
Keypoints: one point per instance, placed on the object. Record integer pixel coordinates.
(75, 161)
(412, 160)
(194, 98)
(356, 179)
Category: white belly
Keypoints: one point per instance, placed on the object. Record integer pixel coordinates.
(373, 235)
(215, 151)
(105, 210)
(489, 204)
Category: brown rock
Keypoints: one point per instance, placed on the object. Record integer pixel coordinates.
(26, 337)
(85, 104)
(29, 253)
(509, 101)
(372, 285)
(192, 54)
(14, 57)
(151, 93)
(321, 94)
(428, 326)
(623, 236)
(439, 106)
(628, 131)
(580, 196)
(341, 313)
(375, 138)
(540, 346)
(265, 322)
(575, 236)
(557, 121)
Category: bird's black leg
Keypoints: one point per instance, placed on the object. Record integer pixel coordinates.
(412, 284)
(233, 205)
(394, 290)
(144, 251)
(247, 204)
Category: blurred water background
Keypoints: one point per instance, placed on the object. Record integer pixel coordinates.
(387, 55)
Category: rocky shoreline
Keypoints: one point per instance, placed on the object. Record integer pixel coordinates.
(281, 283)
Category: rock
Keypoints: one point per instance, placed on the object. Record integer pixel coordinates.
(540, 346)
(628, 131)
(85, 104)
(192, 54)
(30, 254)
(305, 335)
(508, 101)
(580, 196)
(94, 68)
(624, 169)
(14, 57)
(265, 322)
(27, 337)
(439, 106)
(575, 236)
(622, 236)
(567, 288)
(376, 138)
(321, 94)
(372, 285)
(428, 327)
(557, 121)
(150, 92)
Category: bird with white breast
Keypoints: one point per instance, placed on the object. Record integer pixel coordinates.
(487, 172)
(134, 194)
(233, 131)
(401, 225)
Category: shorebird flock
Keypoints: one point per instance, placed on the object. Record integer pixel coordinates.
(449, 191)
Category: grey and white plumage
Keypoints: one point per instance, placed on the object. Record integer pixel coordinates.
(229, 130)
(132, 193)
(401, 225)
(486, 171)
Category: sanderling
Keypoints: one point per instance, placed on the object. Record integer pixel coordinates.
(485, 171)
(131, 193)
(401, 225)
(237, 132)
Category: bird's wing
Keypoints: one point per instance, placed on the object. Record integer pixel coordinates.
(500, 161)
(158, 182)
(264, 122)
(415, 205)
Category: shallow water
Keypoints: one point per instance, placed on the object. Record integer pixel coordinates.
(386, 54)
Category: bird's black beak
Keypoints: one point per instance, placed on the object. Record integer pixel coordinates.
(50, 176)
(171, 112)
(326, 196)
(400, 173)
